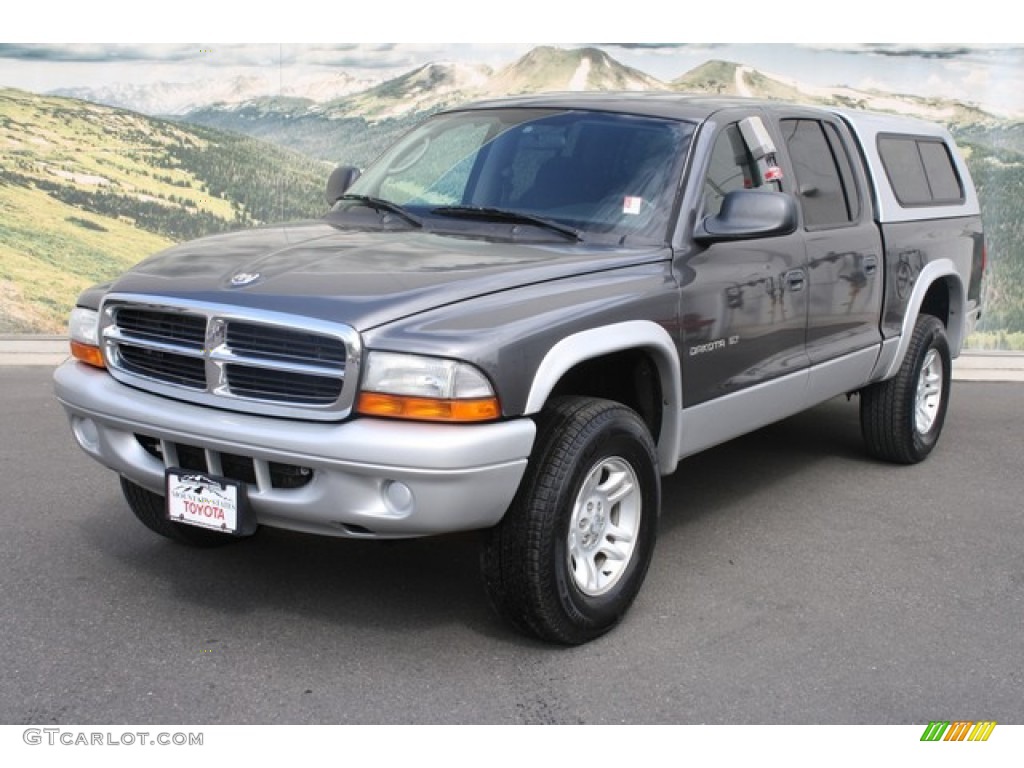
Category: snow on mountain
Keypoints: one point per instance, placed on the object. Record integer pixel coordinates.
(734, 79)
(556, 69)
(337, 94)
(425, 88)
(181, 98)
(433, 86)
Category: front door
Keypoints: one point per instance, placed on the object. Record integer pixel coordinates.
(744, 304)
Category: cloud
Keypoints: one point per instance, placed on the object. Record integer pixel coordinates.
(664, 48)
(372, 56)
(644, 46)
(90, 53)
(351, 56)
(366, 56)
(918, 50)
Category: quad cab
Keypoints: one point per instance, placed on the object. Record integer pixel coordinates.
(521, 317)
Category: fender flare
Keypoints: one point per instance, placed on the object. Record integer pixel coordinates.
(619, 337)
(887, 366)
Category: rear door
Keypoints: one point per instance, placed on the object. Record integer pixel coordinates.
(844, 249)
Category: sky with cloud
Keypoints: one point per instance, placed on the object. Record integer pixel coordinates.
(988, 74)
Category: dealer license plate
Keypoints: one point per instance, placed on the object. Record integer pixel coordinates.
(206, 501)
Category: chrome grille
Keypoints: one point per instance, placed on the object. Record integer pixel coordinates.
(231, 358)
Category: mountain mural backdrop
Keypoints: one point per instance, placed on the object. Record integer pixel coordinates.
(93, 180)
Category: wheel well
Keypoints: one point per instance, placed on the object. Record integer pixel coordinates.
(629, 377)
(936, 301)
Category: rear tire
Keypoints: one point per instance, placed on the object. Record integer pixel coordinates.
(149, 508)
(571, 553)
(901, 418)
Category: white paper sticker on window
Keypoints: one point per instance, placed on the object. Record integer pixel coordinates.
(632, 205)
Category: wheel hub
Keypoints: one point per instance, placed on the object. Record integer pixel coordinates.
(592, 524)
(604, 526)
(929, 392)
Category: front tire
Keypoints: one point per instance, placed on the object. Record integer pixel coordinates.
(571, 553)
(901, 418)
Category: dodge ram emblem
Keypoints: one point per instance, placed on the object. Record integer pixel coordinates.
(245, 278)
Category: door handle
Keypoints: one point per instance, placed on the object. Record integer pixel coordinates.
(795, 279)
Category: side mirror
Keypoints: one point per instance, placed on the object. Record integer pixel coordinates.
(340, 180)
(748, 214)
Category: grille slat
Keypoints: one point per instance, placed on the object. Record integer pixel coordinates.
(163, 326)
(190, 457)
(266, 384)
(238, 468)
(176, 369)
(225, 358)
(285, 344)
(233, 467)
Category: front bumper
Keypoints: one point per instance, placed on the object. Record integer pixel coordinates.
(370, 478)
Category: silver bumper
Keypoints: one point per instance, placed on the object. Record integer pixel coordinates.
(370, 477)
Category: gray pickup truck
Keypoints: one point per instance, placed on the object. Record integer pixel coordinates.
(520, 317)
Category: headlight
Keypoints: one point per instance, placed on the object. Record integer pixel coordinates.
(84, 330)
(425, 388)
(84, 326)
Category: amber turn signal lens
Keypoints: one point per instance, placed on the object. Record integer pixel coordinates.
(428, 409)
(87, 354)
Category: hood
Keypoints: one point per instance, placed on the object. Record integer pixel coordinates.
(360, 278)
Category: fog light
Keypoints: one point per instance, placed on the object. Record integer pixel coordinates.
(398, 497)
(86, 433)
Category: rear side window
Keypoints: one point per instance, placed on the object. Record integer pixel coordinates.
(920, 170)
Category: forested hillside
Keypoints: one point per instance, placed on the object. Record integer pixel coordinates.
(996, 161)
(1000, 180)
(87, 190)
(336, 140)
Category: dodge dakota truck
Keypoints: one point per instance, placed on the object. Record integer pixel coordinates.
(524, 314)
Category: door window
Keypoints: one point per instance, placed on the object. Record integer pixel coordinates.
(824, 176)
(733, 166)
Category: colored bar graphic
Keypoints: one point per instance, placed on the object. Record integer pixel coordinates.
(935, 730)
(958, 730)
(982, 730)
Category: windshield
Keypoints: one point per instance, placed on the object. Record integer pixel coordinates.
(606, 176)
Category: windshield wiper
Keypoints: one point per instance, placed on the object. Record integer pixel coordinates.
(499, 214)
(380, 204)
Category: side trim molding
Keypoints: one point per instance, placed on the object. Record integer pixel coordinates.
(740, 413)
(595, 342)
(889, 363)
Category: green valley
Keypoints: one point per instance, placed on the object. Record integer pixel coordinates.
(88, 190)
